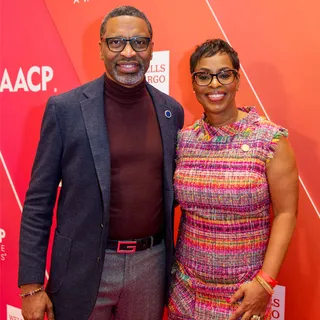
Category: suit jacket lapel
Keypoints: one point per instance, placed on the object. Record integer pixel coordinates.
(92, 107)
(93, 114)
(165, 118)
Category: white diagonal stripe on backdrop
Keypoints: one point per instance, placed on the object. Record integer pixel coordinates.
(10, 181)
(262, 107)
(13, 189)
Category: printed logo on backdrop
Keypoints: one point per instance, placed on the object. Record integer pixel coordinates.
(3, 254)
(34, 79)
(13, 313)
(158, 72)
(82, 1)
(278, 302)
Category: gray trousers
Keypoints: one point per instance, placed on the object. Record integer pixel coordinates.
(132, 286)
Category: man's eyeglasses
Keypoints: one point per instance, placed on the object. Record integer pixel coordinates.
(202, 78)
(117, 44)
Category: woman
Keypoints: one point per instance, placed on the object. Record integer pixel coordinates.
(231, 165)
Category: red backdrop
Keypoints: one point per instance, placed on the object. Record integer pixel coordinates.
(51, 46)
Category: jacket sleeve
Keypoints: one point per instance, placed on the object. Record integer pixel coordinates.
(40, 200)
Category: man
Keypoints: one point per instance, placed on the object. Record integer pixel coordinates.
(112, 143)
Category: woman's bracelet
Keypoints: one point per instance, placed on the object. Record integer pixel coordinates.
(31, 293)
(271, 282)
(264, 284)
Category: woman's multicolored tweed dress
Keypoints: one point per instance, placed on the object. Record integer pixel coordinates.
(221, 186)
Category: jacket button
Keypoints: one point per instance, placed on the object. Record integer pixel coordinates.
(101, 225)
(98, 260)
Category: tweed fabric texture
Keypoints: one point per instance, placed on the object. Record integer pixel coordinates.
(221, 185)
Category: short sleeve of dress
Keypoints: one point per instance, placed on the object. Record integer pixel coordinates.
(280, 132)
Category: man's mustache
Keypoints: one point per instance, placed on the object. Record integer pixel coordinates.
(128, 60)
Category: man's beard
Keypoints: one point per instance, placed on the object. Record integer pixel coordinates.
(128, 79)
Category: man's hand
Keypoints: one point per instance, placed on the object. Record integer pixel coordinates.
(255, 301)
(34, 307)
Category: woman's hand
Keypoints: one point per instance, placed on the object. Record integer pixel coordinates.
(255, 301)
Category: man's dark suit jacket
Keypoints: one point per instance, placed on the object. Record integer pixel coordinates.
(74, 148)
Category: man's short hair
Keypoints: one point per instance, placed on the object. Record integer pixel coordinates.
(124, 11)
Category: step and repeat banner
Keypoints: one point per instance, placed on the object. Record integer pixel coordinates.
(51, 46)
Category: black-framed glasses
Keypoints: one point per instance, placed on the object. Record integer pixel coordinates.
(203, 78)
(117, 44)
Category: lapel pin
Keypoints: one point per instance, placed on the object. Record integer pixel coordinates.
(168, 114)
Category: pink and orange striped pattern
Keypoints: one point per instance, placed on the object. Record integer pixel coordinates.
(221, 185)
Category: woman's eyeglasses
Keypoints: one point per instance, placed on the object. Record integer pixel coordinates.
(202, 78)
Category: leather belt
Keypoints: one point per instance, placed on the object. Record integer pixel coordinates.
(131, 246)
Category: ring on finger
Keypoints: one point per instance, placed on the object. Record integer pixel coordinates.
(255, 317)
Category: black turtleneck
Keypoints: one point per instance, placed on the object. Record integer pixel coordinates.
(136, 208)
